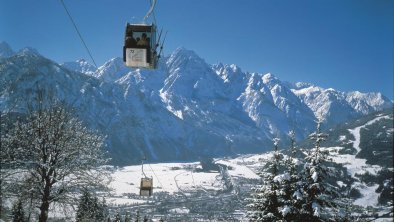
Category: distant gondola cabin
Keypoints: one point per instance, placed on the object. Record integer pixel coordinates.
(139, 50)
(146, 188)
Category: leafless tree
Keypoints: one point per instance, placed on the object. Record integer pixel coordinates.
(50, 155)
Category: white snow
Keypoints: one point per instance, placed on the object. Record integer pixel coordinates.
(315, 176)
(182, 210)
(356, 131)
(359, 166)
(238, 170)
(316, 209)
(282, 177)
(123, 201)
(285, 210)
(178, 177)
(167, 177)
(369, 195)
(342, 138)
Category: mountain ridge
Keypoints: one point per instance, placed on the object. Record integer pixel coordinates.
(184, 110)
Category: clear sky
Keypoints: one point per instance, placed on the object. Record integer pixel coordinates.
(343, 44)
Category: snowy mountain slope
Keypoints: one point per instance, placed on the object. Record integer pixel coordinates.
(272, 105)
(194, 93)
(337, 107)
(80, 65)
(185, 109)
(23, 74)
(365, 148)
(100, 105)
(133, 116)
(5, 50)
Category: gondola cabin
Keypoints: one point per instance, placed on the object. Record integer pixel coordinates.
(146, 188)
(139, 50)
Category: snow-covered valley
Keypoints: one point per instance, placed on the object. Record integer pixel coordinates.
(185, 181)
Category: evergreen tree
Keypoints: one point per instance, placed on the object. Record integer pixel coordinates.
(289, 188)
(101, 209)
(264, 202)
(127, 217)
(118, 218)
(318, 194)
(18, 214)
(84, 206)
(89, 208)
(138, 217)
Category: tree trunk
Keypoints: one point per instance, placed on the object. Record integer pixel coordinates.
(44, 212)
(45, 202)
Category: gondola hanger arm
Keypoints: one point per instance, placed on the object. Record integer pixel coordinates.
(152, 6)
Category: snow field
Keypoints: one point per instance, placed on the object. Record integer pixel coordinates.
(177, 177)
(167, 177)
(236, 170)
(359, 166)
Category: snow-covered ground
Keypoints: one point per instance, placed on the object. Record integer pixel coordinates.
(177, 177)
(359, 166)
(167, 177)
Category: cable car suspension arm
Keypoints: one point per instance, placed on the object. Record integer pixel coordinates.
(142, 167)
(158, 40)
(162, 44)
(152, 6)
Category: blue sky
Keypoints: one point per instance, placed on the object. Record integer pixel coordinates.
(343, 44)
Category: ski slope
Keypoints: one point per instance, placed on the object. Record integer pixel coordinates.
(359, 166)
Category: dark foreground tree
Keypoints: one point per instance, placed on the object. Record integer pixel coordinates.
(290, 191)
(319, 196)
(18, 214)
(90, 208)
(264, 204)
(54, 153)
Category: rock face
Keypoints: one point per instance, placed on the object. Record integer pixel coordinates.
(184, 110)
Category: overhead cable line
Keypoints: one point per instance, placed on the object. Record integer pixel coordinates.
(79, 34)
(155, 175)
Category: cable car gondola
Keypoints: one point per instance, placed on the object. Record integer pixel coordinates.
(140, 45)
(139, 50)
(146, 186)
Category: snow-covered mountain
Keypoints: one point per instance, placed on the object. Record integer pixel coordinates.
(185, 109)
(337, 107)
(82, 66)
(365, 148)
(5, 50)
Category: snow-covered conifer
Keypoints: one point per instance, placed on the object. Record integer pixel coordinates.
(18, 214)
(127, 217)
(264, 204)
(318, 194)
(138, 216)
(289, 189)
(118, 218)
(90, 208)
